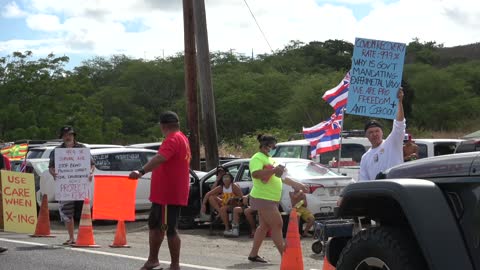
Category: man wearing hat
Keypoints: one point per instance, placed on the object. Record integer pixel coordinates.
(169, 189)
(67, 208)
(410, 149)
(386, 153)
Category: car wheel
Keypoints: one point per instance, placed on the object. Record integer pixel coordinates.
(77, 212)
(382, 248)
(334, 247)
(186, 223)
(317, 247)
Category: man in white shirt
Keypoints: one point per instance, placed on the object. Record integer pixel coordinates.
(386, 153)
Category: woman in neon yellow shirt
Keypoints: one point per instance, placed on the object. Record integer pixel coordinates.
(266, 194)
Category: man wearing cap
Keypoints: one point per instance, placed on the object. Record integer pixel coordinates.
(169, 189)
(386, 153)
(410, 149)
(67, 208)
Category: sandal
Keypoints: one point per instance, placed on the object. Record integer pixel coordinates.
(257, 259)
(68, 243)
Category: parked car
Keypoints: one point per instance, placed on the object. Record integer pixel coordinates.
(436, 147)
(108, 161)
(324, 186)
(39, 143)
(352, 150)
(426, 212)
(468, 146)
(37, 167)
(44, 151)
(151, 146)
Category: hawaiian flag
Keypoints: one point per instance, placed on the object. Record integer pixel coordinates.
(325, 137)
(337, 96)
(15, 152)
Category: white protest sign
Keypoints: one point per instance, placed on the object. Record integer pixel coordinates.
(73, 169)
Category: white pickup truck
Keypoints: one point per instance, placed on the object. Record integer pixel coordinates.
(352, 150)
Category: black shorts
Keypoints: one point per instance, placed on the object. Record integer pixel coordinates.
(164, 218)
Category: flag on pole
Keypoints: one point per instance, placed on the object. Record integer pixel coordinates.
(325, 137)
(337, 96)
(15, 152)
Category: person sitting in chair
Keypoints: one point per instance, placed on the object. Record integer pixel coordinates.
(299, 202)
(228, 190)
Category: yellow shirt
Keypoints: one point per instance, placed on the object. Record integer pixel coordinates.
(271, 190)
(227, 194)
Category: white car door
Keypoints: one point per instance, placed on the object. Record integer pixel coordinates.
(134, 160)
(122, 163)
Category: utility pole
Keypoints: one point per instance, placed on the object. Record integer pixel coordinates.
(191, 83)
(206, 90)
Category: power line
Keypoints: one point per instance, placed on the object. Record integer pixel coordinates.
(258, 25)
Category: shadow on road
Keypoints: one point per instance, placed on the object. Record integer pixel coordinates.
(32, 248)
(249, 266)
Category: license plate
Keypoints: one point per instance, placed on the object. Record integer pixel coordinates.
(335, 191)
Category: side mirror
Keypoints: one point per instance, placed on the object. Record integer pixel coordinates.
(344, 174)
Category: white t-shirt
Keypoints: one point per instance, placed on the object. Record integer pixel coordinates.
(388, 154)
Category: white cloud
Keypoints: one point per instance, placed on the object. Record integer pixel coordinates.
(12, 10)
(352, 2)
(427, 20)
(102, 27)
(44, 22)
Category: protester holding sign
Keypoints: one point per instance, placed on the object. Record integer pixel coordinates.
(170, 186)
(67, 207)
(384, 153)
(4, 165)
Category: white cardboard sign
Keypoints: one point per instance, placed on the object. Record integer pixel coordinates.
(73, 169)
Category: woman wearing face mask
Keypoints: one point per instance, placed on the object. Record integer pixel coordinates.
(228, 190)
(266, 194)
(221, 171)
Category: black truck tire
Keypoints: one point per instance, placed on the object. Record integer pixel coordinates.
(385, 248)
(186, 223)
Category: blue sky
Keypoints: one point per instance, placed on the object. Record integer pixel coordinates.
(82, 29)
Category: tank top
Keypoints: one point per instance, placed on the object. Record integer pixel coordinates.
(227, 194)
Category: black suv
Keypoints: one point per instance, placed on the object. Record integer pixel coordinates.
(423, 214)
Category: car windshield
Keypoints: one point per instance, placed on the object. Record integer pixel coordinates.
(305, 170)
(123, 161)
(40, 167)
(35, 153)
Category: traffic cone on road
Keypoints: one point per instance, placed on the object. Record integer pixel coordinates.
(85, 229)
(292, 258)
(120, 240)
(327, 265)
(43, 222)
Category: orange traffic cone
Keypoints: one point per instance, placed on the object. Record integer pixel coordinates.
(120, 240)
(85, 229)
(327, 265)
(43, 222)
(292, 258)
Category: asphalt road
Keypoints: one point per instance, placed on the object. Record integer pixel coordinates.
(199, 251)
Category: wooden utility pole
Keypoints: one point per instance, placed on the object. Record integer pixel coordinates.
(206, 90)
(191, 83)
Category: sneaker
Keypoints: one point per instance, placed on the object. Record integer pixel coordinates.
(235, 231)
(231, 233)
